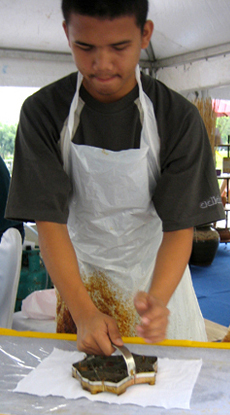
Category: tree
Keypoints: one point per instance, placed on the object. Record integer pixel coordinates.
(7, 139)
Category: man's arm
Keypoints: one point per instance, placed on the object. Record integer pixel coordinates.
(95, 330)
(172, 258)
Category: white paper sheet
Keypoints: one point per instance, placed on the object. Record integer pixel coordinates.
(173, 389)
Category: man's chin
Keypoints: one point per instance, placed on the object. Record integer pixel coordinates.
(98, 88)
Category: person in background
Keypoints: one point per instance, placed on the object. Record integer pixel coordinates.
(4, 189)
(117, 170)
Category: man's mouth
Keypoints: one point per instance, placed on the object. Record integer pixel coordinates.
(103, 78)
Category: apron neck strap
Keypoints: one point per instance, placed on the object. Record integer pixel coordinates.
(74, 103)
(138, 78)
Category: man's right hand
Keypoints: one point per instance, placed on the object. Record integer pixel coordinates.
(95, 332)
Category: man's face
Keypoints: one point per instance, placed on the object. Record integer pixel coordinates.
(106, 52)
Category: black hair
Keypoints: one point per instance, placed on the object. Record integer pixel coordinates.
(107, 9)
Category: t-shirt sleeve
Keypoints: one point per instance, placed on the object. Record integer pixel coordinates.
(39, 187)
(187, 193)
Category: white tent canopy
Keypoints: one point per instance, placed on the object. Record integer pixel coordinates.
(189, 51)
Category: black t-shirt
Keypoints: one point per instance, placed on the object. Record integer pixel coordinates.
(187, 192)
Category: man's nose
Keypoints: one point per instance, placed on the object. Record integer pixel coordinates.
(102, 60)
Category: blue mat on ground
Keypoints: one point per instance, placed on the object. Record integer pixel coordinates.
(212, 287)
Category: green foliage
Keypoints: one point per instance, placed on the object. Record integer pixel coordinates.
(7, 139)
(223, 124)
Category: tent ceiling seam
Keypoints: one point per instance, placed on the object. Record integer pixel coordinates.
(27, 54)
(190, 57)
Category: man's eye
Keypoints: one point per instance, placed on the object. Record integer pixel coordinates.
(120, 47)
(84, 47)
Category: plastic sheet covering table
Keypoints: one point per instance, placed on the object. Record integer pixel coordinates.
(20, 352)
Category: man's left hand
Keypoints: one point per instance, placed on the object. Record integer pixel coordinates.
(154, 317)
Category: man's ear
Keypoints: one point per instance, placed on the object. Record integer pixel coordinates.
(65, 27)
(147, 33)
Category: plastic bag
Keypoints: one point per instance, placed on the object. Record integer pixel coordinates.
(40, 305)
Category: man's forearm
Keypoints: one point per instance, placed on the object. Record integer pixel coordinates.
(95, 330)
(172, 258)
(62, 265)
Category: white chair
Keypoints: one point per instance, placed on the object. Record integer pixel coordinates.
(10, 267)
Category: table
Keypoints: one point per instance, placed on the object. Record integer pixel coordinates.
(21, 351)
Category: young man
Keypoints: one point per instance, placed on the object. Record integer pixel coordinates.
(136, 159)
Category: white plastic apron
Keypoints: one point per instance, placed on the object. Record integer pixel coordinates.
(112, 223)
